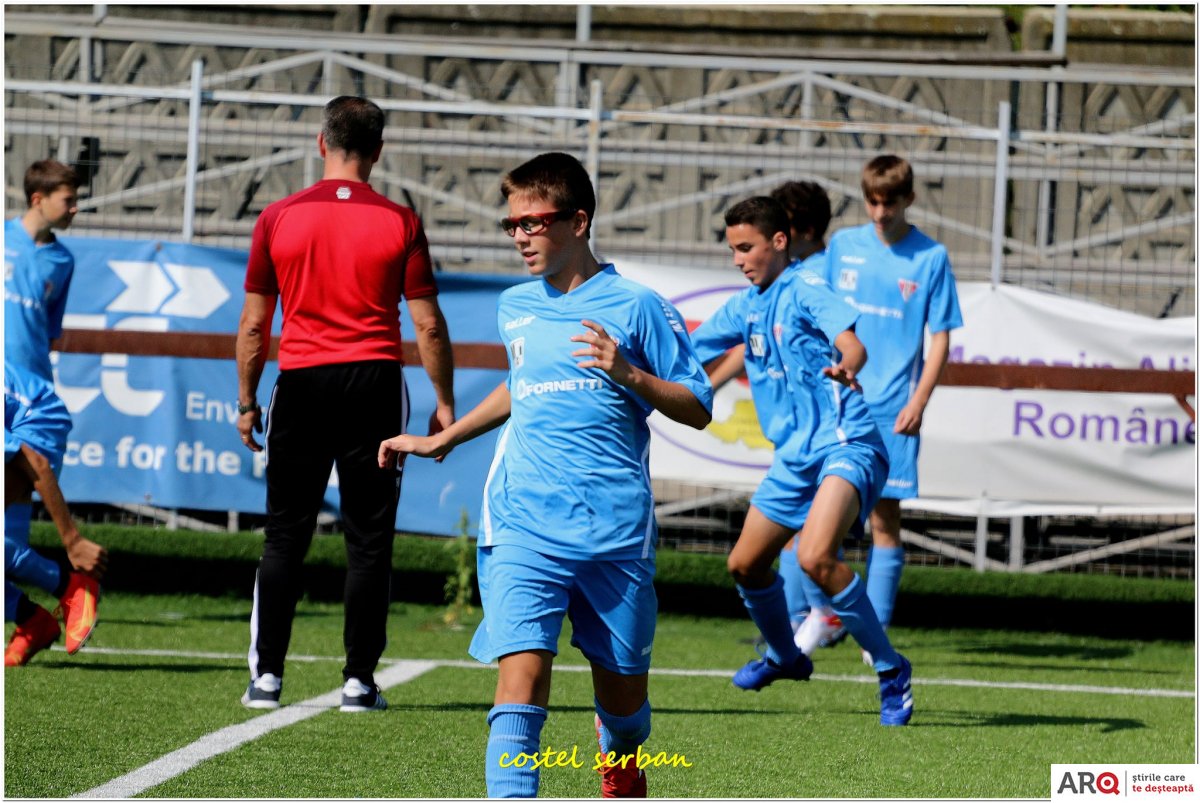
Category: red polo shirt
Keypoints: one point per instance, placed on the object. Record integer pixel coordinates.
(340, 256)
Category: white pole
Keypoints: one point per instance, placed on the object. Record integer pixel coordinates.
(193, 151)
(583, 23)
(1000, 195)
(1016, 543)
(1058, 46)
(981, 536)
(596, 107)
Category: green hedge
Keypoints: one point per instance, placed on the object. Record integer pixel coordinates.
(158, 561)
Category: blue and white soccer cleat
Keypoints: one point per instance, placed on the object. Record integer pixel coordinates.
(895, 696)
(762, 672)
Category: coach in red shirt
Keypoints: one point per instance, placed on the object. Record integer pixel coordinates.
(338, 257)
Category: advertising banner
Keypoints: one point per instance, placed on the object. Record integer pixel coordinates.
(161, 431)
(1055, 447)
(1020, 451)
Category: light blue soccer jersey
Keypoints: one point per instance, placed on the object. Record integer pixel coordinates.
(36, 280)
(788, 330)
(571, 473)
(898, 290)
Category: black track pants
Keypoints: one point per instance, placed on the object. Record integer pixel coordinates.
(320, 417)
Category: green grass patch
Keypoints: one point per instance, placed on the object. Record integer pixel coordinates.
(819, 739)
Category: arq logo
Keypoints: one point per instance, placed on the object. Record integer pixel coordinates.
(1083, 782)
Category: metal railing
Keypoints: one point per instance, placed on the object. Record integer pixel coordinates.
(1106, 214)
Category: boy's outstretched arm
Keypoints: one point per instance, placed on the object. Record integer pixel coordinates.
(729, 365)
(487, 415)
(84, 554)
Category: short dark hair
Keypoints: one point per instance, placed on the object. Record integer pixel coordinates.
(558, 178)
(763, 213)
(46, 176)
(887, 177)
(807, 206)
(354, 125)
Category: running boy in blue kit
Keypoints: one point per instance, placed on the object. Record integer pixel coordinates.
(567, 525)
(37, 276)
(809, 212)
(803, 359)
(900, 281)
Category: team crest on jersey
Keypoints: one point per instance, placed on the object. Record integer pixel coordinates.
(778, 332)
(907, 288)
(343, 193)
(517, 349)
(758, 345)
(848, 279)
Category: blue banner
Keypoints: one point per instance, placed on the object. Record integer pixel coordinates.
(161, 431)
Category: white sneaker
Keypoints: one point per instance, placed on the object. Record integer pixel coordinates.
(263, 692)
(820, 629)
(358, 697)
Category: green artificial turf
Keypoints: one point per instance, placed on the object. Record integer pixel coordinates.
(163, 671)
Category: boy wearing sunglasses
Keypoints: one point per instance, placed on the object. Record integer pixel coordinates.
(567, 525)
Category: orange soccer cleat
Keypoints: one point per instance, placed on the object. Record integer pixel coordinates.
(31, 637)
(622, 779)
(78, 610)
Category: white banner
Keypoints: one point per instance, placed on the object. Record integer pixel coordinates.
(984, 450)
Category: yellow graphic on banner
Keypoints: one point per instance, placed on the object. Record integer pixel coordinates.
(742, 426)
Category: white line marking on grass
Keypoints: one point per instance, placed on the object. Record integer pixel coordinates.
(917, 681)
(226, 739)
(699, 673)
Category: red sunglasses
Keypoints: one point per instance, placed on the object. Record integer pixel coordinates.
(534, 224)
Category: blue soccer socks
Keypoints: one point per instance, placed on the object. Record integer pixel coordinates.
(884, 565)
(515, 729)
(21, 563)
(768, 609)
(794, 590)
(623, 735)
(854, 609)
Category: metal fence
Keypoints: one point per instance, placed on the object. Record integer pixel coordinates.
(1077, 180)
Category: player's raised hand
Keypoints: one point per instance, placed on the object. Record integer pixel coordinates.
(843, 374)
(602, 352)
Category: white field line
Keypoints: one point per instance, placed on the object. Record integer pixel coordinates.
(222, 741)
(918, 680)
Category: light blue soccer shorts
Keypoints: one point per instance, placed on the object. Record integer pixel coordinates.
(42, 423)
(902, 459)
(525, 594)
(786, 493)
